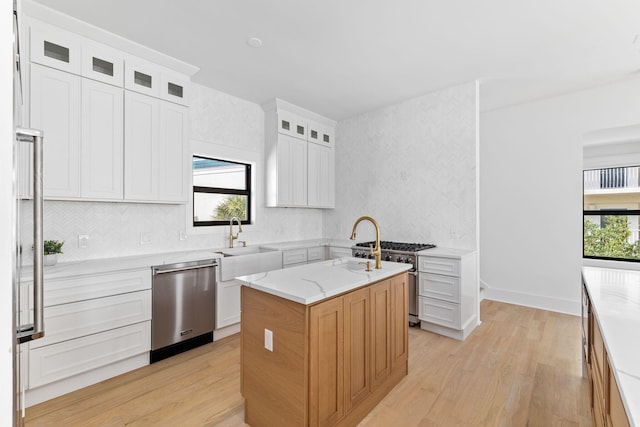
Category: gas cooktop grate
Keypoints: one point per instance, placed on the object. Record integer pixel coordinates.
(398, 246)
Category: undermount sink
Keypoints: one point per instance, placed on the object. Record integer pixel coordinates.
(248, 260)
(246, 250)
(356, 267)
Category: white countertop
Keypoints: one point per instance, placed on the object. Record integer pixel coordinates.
(300, 244)
(446, 252)
(94, 266)
(310, 283)
(615, 295)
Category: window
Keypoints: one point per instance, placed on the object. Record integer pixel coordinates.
(221, 191)
(611, 213)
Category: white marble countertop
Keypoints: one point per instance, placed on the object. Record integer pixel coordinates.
(615, 296)
(103, 265)
(446, 252)
(300, 244)
(310, 283)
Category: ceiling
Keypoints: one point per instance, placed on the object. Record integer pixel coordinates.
(341, 58)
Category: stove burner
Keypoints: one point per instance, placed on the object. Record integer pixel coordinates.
(398, 246)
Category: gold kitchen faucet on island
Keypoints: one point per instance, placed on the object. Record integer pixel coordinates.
(376, 252)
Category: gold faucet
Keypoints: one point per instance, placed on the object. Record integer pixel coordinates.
(376, 252)
(231, 236)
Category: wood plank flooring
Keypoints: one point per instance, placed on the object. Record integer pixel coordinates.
(520, 367)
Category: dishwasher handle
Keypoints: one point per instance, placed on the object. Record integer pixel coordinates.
(156, 270)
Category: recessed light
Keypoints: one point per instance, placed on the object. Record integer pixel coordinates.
(254, 42)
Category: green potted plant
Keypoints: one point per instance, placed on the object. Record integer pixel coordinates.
(51, 250)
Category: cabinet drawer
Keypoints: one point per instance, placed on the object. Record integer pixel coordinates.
(294, 256)
(63, 291)
(69, 321)
(440, 287)
(439, 312)
(315, 254)
(63, 360)
(336, 252)
(446, 266)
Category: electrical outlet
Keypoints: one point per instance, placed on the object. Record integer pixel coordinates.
(146, 238)
(268, 339)
(83, 241)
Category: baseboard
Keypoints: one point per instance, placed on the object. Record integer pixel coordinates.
(558, 305)
(218, 334)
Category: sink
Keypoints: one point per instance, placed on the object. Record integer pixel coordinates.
(246, 250)
(248, 260)
(354, 266)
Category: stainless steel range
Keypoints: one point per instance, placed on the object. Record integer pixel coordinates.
(399, 252)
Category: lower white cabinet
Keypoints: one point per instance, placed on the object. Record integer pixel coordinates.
(96, 326)
(336, 252)
(227, 303)
(448, 292)
(68, 358)
(293, 257)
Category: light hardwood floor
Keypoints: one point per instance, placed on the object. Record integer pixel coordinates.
(520, 367)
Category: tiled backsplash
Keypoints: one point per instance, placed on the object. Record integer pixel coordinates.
(411, 166)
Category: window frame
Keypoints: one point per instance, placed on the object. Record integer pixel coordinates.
(221, 190)
(603, 213)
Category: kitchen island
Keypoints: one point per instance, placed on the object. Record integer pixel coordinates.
(322, 343)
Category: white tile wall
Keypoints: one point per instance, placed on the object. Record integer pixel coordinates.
(412, 167)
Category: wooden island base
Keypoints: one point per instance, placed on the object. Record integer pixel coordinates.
(332, 361)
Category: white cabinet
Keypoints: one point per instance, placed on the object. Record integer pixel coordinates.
(54, 47)
(97, 326)
(227, 303)
(300, 162)
(142, 77)
(293, 257)
(141, 154)
(102, 63)
(336, 252)
(321, 176)
(102, 141)
(291, 166)
(173, 156)
(55, 109)
(155, 134)
(448, 292)
(101, 144)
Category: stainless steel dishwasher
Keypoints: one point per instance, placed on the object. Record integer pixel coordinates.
(183, 307)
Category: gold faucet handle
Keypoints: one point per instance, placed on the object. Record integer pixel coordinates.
(244, 243)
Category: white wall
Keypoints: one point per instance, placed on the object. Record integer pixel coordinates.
(412, 167)
(531, 192)
(221, 125)
(6, 221)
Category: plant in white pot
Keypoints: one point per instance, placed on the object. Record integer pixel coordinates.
(51, 250)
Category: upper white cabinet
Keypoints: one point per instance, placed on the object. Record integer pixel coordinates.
(115, 125)
(102, 141)
(173, 156)
(102, 63)
(321, 176)
(55, 109)
(174, 88)
(141, 153)
(155, 156)
(300, 165)
(55, 48)
(142, 77)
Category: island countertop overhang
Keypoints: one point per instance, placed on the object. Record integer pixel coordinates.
(311, 283)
